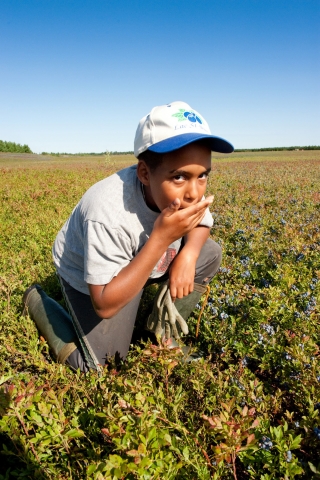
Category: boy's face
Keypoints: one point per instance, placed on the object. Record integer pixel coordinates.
(182, 174)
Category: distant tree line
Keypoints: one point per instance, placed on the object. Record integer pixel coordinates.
(14, 147)
(86, 154)
(130, 152)
(276, 149)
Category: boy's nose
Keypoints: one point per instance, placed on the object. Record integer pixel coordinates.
(191, 193)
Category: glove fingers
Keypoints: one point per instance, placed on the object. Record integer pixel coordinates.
(167, 330)
(175, 332)
(182, 323)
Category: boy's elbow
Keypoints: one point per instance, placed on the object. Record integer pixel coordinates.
(105, 313)
(100, 304)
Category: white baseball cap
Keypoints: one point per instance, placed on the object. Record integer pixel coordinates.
(169, 127)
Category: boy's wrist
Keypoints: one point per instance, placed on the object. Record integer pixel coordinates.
(190, 253)
(159, 241)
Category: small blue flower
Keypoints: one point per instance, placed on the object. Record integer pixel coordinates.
(224, 316)
(299, 257)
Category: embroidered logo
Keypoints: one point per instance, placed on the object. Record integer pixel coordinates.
(183, 115)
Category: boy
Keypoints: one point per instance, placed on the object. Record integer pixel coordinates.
(147, 223)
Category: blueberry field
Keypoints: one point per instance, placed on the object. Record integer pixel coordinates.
(250, 409)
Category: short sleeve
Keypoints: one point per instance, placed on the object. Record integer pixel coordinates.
(106, 252)
(207, 220)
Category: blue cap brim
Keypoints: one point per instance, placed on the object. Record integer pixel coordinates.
(216, 144)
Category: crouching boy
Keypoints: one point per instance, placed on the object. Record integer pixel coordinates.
(147, 223)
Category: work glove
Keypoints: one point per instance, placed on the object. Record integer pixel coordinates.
(165, 318)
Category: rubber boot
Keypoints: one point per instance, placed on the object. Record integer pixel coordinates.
(53, 322)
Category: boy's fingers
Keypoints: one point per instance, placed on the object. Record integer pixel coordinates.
(174, 206)
(203, 205)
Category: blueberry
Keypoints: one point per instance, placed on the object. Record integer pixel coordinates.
(246, 274)
(265, 443)
(289, 456)
(245, 361)
(316, 431)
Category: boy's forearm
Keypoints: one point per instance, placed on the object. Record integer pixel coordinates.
(109, 299)
(182, 269)
(195, 240)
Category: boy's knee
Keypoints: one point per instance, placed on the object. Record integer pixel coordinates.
(208, 262)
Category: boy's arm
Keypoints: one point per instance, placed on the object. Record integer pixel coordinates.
(183, 267)
(171, 224)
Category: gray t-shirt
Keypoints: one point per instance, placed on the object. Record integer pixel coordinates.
(106, 230)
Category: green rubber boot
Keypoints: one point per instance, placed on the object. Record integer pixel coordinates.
(53, 322)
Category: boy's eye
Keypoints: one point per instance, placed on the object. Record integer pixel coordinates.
(204, 175)
(179, 178)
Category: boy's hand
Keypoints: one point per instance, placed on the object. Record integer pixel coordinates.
(174, 223)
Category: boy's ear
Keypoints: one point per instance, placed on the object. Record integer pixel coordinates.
(143, 172)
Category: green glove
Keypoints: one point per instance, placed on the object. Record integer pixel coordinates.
(165, 317)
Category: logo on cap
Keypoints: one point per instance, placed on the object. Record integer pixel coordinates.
(183, 115)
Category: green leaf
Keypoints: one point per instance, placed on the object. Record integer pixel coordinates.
(185, 453)
(74, 433)
(313, 468)
(91, 469)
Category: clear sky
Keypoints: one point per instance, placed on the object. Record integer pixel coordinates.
(77, 75)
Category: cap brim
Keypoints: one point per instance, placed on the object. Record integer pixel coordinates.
(216, 144)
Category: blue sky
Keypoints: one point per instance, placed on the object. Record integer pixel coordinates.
(77, 75)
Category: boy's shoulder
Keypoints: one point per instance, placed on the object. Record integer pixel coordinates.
(113, 197)
(113, 186)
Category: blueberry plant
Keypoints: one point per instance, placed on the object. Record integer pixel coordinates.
(249, 409)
